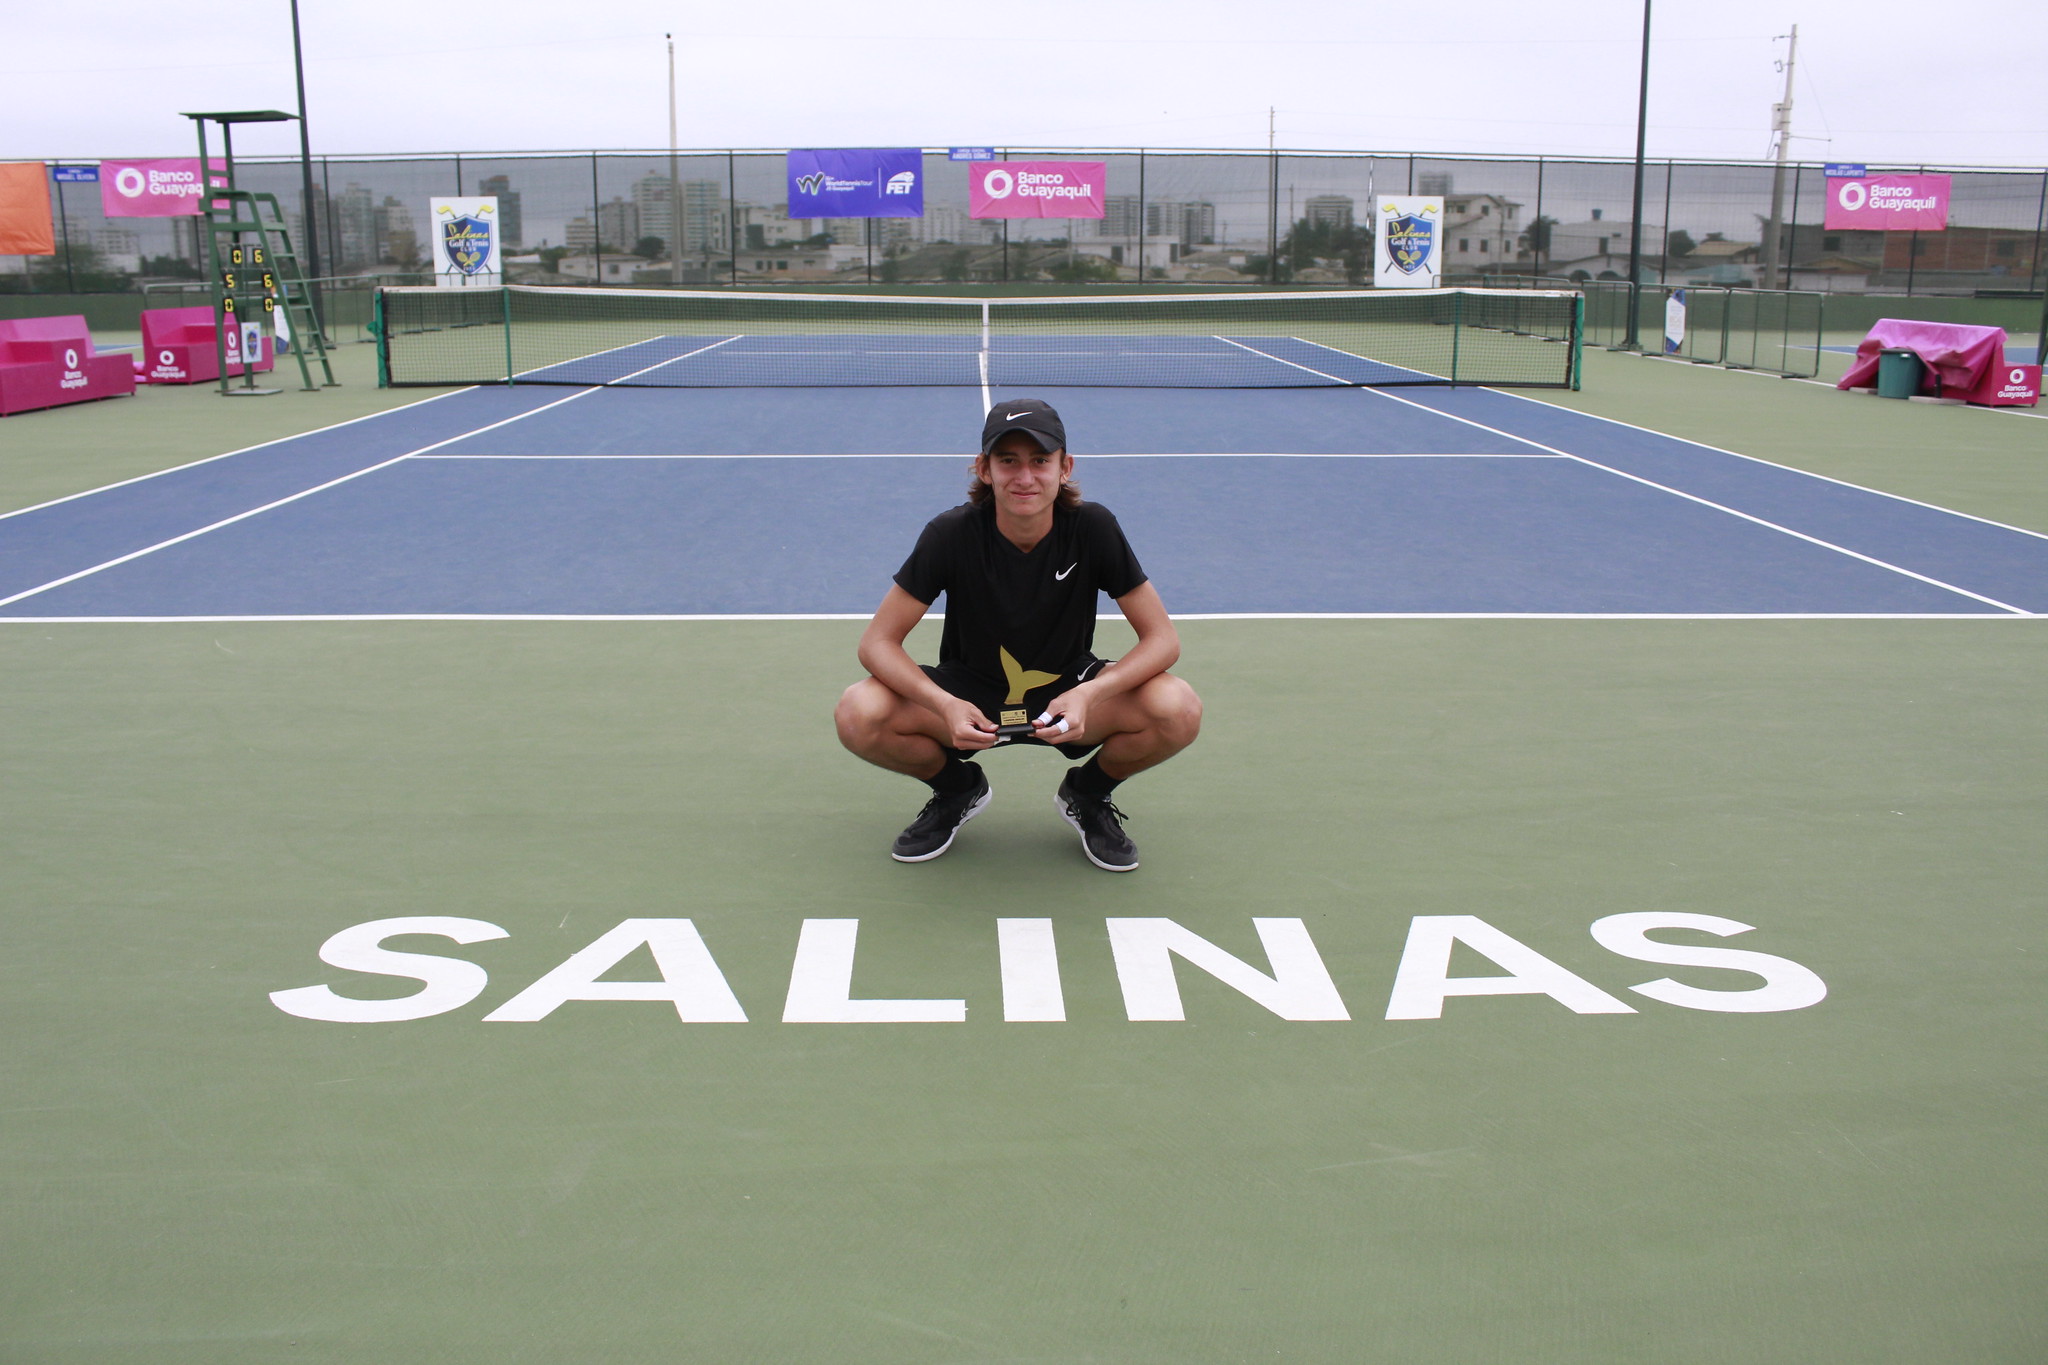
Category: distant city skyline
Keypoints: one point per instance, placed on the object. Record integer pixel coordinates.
(1491, 76)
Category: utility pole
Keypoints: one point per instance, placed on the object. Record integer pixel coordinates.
(1272, 199)
(675, 196)
(1632, 340)
(1781, 131)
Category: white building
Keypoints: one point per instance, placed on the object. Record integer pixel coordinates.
(1330, 210)
(652, 207)
(1481, 232)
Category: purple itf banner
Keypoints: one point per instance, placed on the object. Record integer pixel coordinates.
(856, 182)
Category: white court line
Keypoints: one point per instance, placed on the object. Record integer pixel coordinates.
(308, 492)
(1773, 464)
(588, 355)
(1105, 455)
(670, 361)
(1678, 492)
(1105, 616)
(157, 474)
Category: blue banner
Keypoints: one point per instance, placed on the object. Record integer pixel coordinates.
(76, 175)
(970, 154)
(1846, 170)
(856, 182)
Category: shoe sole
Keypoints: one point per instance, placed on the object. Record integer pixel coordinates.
(1087, 852)
(977, 808)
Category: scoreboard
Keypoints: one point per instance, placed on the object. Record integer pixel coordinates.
(248, 286)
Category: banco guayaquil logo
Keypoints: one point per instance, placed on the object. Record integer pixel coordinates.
(468, 240)
(1410, 239)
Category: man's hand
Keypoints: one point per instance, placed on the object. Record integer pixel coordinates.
(968, 727)
(1068, 709)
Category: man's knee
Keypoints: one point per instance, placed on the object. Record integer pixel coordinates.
(1175, 710)
(863, 709)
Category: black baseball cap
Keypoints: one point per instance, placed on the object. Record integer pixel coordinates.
(1032, 416)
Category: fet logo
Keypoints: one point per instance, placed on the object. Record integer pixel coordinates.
(903, 182)
(998, 184)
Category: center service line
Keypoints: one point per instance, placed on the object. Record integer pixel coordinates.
(308, 492)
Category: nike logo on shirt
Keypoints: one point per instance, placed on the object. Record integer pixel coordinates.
(1061, 576)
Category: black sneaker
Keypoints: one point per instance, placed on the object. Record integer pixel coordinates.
(931, 833)
(1102, 836)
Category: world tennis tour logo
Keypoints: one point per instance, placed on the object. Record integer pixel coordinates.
(856, 182)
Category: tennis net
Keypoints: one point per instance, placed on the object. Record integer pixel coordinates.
(676, 338)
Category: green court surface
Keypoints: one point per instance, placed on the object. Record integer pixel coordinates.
(191, 810)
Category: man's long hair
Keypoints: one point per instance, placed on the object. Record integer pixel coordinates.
(979, 493)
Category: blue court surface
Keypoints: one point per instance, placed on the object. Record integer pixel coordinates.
(622, 502)
(858, 359)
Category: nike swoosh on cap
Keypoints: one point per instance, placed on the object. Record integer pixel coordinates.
(1013, 416)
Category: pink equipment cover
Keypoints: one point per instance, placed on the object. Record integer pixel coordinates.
(1888, 203)
(1958, 356)
(162, 188)
(1037, 189)
(45, 362)
(177, 347)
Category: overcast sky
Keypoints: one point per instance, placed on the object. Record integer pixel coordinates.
(1874, 76)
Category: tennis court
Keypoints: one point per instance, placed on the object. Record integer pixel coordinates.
(549, 667)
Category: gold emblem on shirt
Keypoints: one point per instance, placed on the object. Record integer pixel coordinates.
(1021, 679)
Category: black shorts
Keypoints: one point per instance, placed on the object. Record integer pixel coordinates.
(969, 686)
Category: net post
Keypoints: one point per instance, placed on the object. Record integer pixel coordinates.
(1576, 359)
(377, 325)
(1457, 326)
(505, 297)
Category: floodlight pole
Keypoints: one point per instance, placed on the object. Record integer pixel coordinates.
(1633, 341)
(306, 178)
(675, 196)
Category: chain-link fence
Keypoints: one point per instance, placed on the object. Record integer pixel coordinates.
(1175, 218)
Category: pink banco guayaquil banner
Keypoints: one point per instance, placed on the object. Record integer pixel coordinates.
(164, 188)
(1888, 203)
(1037, 189)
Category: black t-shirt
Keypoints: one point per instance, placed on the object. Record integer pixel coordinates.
(1039, 608)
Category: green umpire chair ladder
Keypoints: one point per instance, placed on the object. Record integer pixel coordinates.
(254, 270)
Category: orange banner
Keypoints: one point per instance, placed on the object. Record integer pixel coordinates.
(25, 228)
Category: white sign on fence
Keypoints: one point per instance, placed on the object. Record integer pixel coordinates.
(467, 243)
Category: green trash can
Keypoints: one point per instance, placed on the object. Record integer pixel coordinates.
(1899, 373)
